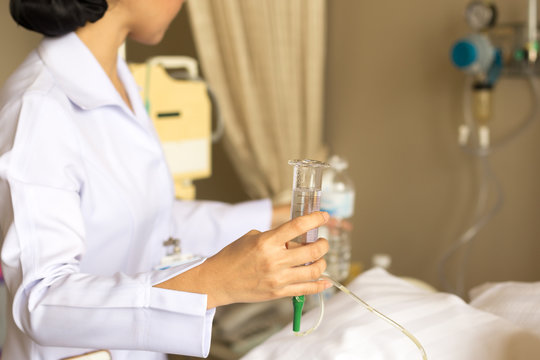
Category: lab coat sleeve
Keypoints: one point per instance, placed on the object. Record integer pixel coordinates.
(205, 227)
(56, 304)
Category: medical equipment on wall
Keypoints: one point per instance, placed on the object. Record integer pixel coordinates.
(487, 55)
(307, 184)
(179, 104)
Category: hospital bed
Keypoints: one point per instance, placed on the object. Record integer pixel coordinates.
(502, 321)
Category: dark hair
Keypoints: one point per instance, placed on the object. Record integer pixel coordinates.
(56, 17)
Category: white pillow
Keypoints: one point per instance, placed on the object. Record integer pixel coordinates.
(517, 302)
(447, 327)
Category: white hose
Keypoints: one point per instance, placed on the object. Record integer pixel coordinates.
(481, 220)
(321, 315)
(366, 306)
(487, 178)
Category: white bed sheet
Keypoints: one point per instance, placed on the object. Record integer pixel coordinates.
(447, 327)
(517, 302)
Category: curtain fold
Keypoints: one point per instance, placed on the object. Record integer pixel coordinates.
(265, 60)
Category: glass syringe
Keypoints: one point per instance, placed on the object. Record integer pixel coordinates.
(306, 197)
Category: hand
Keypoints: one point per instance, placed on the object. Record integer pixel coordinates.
(259, 267)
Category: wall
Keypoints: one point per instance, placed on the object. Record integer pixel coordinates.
(393, 107)
(16, 43)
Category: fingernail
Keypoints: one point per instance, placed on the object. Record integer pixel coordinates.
(328, 285)
(325, 215)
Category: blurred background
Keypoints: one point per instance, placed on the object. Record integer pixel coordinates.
(393, 103)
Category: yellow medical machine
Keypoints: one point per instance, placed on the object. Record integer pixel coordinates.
(178, 103)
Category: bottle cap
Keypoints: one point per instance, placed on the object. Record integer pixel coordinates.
(381, 260)
(338, 163)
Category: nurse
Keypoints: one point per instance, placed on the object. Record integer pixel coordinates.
(86, 202)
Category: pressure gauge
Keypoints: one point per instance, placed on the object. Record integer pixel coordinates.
(480, 15)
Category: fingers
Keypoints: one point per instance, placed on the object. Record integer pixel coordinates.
(299, 226)
(301, 280)
(295, 279)
(308, 253)
(307, 288)
(305, 273)
(310, 288)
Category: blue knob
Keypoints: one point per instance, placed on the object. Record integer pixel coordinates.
(464, 54)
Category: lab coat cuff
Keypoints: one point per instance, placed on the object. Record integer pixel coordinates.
(164, 274)
(178, 322)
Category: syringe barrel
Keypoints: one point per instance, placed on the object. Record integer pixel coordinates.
(306, 192)
(307, 174)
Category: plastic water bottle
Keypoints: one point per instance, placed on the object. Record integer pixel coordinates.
(337, 199)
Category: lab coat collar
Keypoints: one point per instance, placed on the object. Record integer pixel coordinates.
(78, 73)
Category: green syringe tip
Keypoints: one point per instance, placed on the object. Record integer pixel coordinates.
(298, 305)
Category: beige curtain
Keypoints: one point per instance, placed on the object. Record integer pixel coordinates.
(265, 61)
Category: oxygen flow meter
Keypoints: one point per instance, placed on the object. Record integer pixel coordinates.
(481, 15)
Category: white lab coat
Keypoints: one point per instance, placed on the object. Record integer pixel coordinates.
(86, 202)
